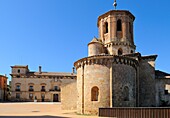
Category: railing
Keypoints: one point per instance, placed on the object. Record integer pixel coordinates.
(17, 89)
(135, 112)
(31, 89)
(55, 90)
(43, 90)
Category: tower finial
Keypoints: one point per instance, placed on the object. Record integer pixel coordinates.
(115, 4)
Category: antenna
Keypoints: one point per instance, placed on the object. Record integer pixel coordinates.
(115, 4)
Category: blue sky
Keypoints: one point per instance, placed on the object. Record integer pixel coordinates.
(55, 33)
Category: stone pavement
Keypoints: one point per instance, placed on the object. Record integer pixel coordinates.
(37, 110)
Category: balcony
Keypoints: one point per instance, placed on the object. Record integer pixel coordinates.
(31, 89)
(43, 90)
(58, 90)
(17, 90)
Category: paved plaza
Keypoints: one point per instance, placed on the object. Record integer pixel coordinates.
(37, 110)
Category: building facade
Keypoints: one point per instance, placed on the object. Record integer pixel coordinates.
(41, 86)
(3, 88)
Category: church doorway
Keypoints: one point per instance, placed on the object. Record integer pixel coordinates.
(55, 98)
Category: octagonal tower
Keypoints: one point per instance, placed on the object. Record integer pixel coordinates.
(116, 32)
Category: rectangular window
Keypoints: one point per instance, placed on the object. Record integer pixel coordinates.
(166, 92)
(56, 88)
(19, 71)
(167, 89)
(18, 95)
(17, 88)
(42, 88)
(42, 96)
(31, 88)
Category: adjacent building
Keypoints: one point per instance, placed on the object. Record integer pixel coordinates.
(3, 88)
(41, 86)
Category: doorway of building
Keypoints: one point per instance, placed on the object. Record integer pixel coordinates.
(42, 97)
(55, 98)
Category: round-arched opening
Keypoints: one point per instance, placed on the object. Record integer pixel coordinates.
(106, 27)
(95, 94)
(119, 25)
(104, 40)
(120, 51)
(130, 28)
(126, 93)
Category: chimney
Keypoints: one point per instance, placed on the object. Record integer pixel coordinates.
(40, 70)
(73, 70)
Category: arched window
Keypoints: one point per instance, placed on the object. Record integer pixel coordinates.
(130, 28)
(106, 27)
(120, 51)
(131, 51)
(94, 93)
(119, 25)
(104, 39)
(126, 93)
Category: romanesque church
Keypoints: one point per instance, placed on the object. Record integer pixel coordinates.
(114, 74)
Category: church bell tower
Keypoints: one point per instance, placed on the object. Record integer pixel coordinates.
(116, 32)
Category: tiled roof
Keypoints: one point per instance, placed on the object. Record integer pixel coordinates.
(19, 66)
(159, 73)
(50, 74)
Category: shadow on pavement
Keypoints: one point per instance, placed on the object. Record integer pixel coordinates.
(33, 117)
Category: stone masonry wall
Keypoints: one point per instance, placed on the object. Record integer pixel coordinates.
(99, 76)
(147, 91)
(1, 95)
(123, 76)
(69, 96)
(97, 72)
(114, 51)
(95, 48)
(162, 84)
(80, 106)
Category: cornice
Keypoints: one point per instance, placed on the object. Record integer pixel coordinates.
(116, 13)
(44, 77)
(124, 43)
(106, 60)
(150, 57)
(4, 76)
